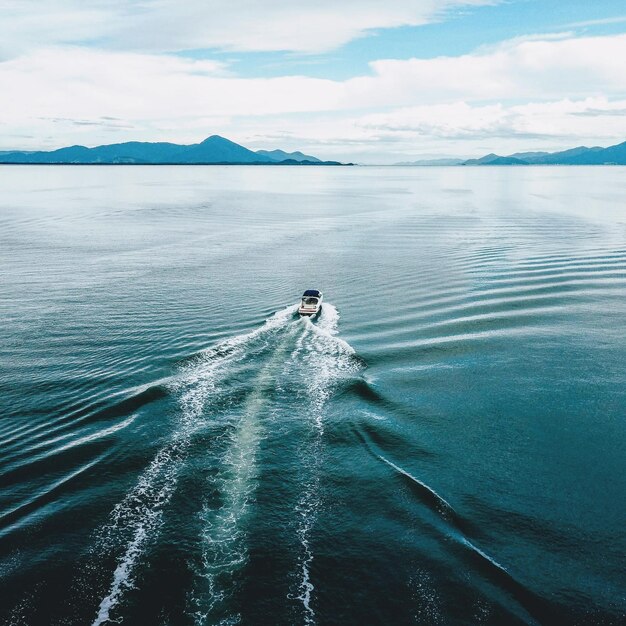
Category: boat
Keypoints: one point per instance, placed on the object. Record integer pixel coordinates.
(311, 303)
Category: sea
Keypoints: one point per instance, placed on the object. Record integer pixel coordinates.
(444, 444)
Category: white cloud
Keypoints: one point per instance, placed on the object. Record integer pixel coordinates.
(536, 68)
(174, 25)
(449, 121)
(457, 129)
(591, 117)
(556, 89)
(620, 19)
(74, 82)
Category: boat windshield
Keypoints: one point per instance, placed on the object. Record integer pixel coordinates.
(309, 300)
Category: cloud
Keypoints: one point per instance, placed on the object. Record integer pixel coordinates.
(80, 83)
(243, 25)
(555, 88)
(620, 19)
(546, 120)
(547, 68)
(103, 121)
(448, 121)
(613, 111)
(456, 129)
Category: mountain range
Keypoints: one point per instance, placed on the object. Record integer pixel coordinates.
(216, 150)
(613, 155)
(213, 150)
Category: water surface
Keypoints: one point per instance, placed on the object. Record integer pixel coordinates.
(444, 445)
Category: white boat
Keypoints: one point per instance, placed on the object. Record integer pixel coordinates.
(311, 303)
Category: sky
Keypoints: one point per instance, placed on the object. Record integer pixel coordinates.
(356, 80)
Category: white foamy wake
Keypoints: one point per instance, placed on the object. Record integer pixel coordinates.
(136, 520)
(284, 346)
(326, 359)
(311, 354)
(224, 549)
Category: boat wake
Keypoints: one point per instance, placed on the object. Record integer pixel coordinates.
(325, 361)
(230, 394)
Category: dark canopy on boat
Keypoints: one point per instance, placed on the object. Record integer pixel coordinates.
(312, 292)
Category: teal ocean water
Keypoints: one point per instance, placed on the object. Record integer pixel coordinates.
(444, 445)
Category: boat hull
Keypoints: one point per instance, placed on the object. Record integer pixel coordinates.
(309, 312)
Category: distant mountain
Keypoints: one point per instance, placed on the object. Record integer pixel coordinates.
(507, 160)
(494, 159)
(582, 155)
(281, 155)
(564, 157)
(528, 155)
(613, 155)
(213, 150)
